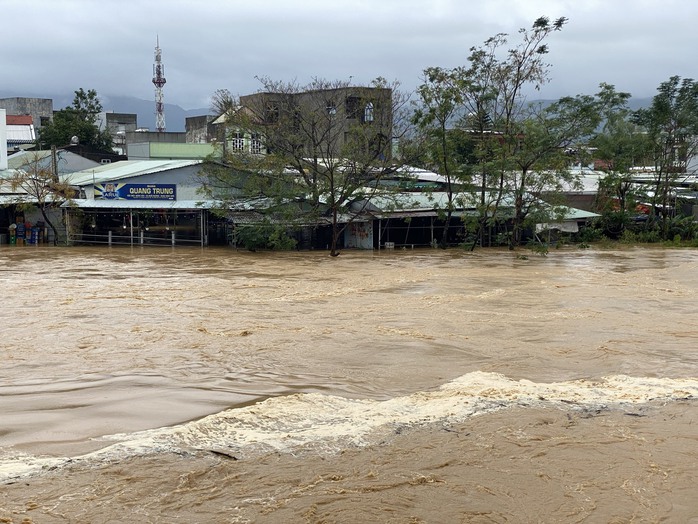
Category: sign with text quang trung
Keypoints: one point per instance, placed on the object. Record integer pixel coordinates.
(114, 191)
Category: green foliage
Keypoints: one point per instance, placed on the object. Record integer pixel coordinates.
(641, 236)
(671, 124)
(503, 239)
(590, 233)
(621, 143)
(539, 248)
(682, 228)
(264, 235)
(613, 224)
(490, 144)
(78, 120)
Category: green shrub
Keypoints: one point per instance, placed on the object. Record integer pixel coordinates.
(628, 237)
(589, 234)
(264, 236)
(613, 224)
(648, 236)
(684, 227)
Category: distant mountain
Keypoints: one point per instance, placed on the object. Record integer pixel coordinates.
(145, 109)
(633, 104)
(639, 103)
(175, 115)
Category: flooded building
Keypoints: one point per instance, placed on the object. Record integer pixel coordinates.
(148, 202)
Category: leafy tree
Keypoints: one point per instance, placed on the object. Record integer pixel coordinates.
(307, 155)
(440, 105)
(495, 93)
(487, 100)
(546, 135)
(41, 187)
(78, 120)
(671, 123)
(620, 145)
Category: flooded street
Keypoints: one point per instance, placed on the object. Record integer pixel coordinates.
(213, 385)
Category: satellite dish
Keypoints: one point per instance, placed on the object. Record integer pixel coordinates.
(74, 140)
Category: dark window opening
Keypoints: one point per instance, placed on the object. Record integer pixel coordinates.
(353, 106)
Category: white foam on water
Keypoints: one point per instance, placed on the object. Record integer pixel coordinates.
(332, 423)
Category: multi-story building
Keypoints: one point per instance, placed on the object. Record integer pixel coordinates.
(40, 109)
(323, 119)
(118, 125)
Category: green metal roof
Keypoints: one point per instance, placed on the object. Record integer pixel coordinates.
(172, 150)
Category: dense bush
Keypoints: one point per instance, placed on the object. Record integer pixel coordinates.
(684, 227)
(264, 236)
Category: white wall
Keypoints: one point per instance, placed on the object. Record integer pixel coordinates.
(3, 139)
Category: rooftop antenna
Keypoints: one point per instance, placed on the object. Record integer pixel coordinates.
(159, 82)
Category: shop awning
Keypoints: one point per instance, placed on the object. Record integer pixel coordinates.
(88, 203)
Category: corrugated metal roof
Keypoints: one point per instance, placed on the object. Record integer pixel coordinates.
(572, 213)
(16, 199)
(24, 158)
(139, 204)
(125, 169)
(425, 204)
(20, 134)
(429, 201)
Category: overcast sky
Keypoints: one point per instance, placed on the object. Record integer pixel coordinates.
(58, 46)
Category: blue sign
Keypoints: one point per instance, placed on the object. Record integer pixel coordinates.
(113, 191)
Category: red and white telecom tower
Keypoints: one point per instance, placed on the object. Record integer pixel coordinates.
(159, 82)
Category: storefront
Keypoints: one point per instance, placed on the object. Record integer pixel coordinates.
(124, 222)
(142, 203)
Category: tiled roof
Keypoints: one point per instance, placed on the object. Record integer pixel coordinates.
(18, 120)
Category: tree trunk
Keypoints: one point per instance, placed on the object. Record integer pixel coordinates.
(335, 234)
(50, 224)
(518, 221)
(443, 244)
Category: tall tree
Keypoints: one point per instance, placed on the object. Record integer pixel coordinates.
(314, 154)
(493, 91)
(439, 107)
(489, 97)
(78, 120)
(671, 123)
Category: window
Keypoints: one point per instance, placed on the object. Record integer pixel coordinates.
(368, 112)
(271, 113)
(352, 105)
(256, 144)
(238, 142)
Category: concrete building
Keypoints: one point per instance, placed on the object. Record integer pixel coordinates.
(340, 112)
(118, 125)
(202, 130)
(40, 109)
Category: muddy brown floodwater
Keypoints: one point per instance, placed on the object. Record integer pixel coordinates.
(213, 385)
